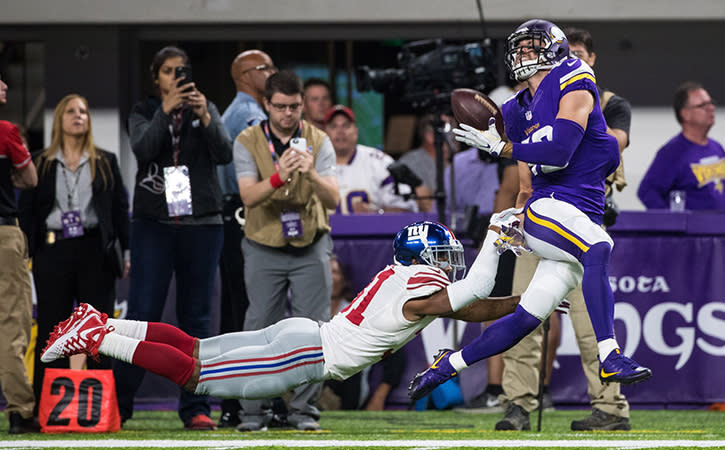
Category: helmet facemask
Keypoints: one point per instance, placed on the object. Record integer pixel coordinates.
(549, 45)
(444, 256)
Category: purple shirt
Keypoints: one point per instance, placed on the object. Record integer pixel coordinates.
(476, 181)
(531, 119)
(683, 165)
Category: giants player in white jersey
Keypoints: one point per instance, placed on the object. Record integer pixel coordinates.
(400, 300)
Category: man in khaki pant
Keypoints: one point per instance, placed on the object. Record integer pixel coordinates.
(610, 409)
(16, 303)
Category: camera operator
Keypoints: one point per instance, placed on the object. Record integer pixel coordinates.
(178, 139)
(366, 187)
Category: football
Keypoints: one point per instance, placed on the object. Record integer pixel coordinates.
(475, 108)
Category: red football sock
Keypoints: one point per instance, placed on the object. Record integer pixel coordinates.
(169, 334)
(164, 360)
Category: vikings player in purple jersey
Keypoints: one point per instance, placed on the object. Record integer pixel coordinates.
(556, 130)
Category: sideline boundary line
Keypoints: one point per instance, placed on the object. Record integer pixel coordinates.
(237, 443)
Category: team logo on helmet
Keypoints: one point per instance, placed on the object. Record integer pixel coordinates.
(557, 35)
(432, 244)
(418, 232)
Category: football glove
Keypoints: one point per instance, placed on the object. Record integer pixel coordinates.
(489, 141)
(507, 217)
(511, 238)
(563, 307)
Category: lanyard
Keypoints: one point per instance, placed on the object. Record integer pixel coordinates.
(72, 191)
(265, 128)
(176, 117)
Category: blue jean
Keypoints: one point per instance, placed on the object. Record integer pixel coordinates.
(158, 250)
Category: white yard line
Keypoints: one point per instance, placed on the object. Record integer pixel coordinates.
(418, 443)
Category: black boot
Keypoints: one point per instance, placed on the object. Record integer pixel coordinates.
(230, 414)
(599, 420)
(18, 425)
(516, 418)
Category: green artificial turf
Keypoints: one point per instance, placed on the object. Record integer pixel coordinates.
(425, 427)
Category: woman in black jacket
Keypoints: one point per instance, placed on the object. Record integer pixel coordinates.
(76, 220)
(178, 139)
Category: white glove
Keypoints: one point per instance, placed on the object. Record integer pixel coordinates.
(511, 238)
(507, 217)
(489, 140)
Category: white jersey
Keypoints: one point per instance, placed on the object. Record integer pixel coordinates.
(366, 178)
(373, 325)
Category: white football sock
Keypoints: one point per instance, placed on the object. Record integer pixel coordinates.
(118, 347)
(132, 328)
(606, 347)
(456, 360)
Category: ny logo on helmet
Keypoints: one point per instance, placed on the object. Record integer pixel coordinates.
(418, 232)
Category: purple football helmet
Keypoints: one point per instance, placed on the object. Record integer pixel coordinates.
(547, 41)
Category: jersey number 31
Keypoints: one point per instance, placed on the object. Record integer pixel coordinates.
(354, 311)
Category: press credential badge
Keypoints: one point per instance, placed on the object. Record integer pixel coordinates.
(178, 191)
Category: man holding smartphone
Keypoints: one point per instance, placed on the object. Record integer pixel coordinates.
(286, 174)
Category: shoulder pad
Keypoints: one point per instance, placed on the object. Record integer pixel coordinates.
(572, 70)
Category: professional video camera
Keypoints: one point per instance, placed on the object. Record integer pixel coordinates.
(428, 71)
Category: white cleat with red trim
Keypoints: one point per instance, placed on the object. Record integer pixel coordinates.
(81, 333)
(79, 311)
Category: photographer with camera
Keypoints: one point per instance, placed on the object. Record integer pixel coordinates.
(178, 139)
(366, 186)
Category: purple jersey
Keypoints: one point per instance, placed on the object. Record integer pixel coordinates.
(531, 119)
(681, 164)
